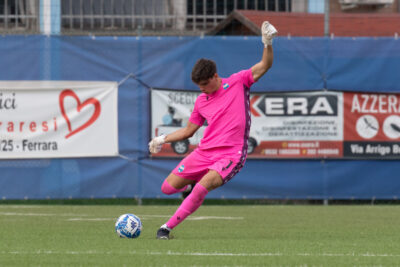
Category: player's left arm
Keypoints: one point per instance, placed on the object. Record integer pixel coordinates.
(268, 32)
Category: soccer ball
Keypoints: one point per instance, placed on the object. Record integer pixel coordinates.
(128, 225)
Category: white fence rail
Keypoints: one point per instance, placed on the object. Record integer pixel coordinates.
(129, 16)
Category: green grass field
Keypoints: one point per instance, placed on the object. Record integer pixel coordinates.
(62, 235)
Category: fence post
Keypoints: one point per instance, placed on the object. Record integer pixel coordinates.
(326, 21)
(50, 17)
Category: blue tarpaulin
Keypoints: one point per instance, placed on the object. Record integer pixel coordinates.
(345, 64)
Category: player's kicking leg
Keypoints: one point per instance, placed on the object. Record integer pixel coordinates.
(174, 184)
(190, 204)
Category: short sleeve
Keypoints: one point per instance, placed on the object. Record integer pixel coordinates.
(196, 117)
(246, 77)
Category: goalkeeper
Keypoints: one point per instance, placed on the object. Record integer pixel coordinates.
(224, 103)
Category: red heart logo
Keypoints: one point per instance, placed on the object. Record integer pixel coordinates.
(80, 106)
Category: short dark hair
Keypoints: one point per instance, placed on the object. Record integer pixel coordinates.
(203, 70)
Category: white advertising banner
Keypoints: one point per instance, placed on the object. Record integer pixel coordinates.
(170, 111)
(284, 125)
(56, 119)
(306, 116)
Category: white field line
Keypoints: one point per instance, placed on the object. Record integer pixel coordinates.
(144, 217)
(6, 206)
(41, 214)
(90, 219)
(195, 218)
(218, 254)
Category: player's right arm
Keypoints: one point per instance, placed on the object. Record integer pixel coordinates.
(155, 145)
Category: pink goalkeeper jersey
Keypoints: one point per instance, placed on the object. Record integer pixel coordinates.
(227, 112)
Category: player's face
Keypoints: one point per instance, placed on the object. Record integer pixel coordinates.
(210, 86)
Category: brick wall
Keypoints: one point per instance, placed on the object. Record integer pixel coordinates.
(303, 24)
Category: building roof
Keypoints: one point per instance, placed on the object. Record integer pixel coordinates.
(248, 22)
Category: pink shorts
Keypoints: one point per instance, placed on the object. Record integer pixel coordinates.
(199, 162)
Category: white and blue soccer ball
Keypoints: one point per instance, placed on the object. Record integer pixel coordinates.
(129, 226)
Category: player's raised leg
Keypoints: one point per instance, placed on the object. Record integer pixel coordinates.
(209, 182)
(174, 184)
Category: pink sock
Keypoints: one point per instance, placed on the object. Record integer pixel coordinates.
(188, 206)
(168, 189)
